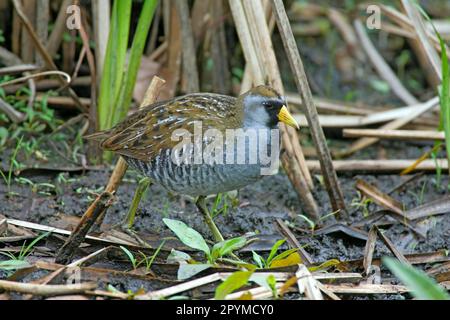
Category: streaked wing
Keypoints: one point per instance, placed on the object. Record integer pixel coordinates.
(147, 132)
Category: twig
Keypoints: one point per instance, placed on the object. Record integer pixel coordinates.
(93, 150)
(180, 288)
(59, 26)
(257, 293)
(27, 52)
(100, 205)
(382, 67)
(330, 177)
(188, 48)
(369, 249)
(100, 20)
(221, 81)
(61, 102)
(244, 34)
(43, 51)
(379, 197)
(284, 229)
(171, 70)
(250, 27)
(395, 134)
(408, 26)
(13, 114)
(11, 70)
(36, 75)
(365, 288)
(439, 206)
(392, 247)
(8, 58)
(307, 285)
(416, 112)
(348, 34)
(47, 84)
(40, 227)
(42, 21)
(46, 290)
(419, 29)
(379, 166)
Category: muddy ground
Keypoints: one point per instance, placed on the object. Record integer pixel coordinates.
(258, 207)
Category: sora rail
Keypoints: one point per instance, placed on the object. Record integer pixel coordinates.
(149, 140)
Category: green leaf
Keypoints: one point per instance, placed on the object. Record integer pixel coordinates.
(272, 282)
(258, 259)
(223, 248)
(422, 286)
(291, 260)
(260, 279)
(25, 251)
(187, 235)
(380, 85)
(284, 254)
(444, 90)
(13, 264)
(114, 64)
(235, 281)
(274, 250)
(186, 270)
(444, 97)
(4, 134)
(129, 255)
(178, 256)
(325, 265)
(137, 49)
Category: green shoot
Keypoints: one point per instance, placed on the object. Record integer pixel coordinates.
(120, 109)
(444, 90)
(12, 164)
(118, 79)
(114, 63)
(286, 258)
(18, 261)
(149, 260)
(272, 283)
(130, 256)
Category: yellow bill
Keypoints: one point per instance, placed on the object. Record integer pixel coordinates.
(285, 117)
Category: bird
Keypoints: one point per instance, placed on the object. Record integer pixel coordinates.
(168, 141)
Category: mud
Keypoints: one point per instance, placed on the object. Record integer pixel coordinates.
(259, 206)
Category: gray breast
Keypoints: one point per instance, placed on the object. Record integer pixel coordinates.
(245, 162)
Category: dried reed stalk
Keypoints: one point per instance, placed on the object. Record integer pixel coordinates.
(256, 43)
(330, 177)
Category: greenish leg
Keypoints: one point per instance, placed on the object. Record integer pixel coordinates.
(128, 222)
(143, 185)
(201, 205)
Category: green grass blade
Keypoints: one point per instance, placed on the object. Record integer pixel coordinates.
(129, 255)
(114, 64)
(444, 97)
(422, 286)
(444, 94)
(25, 251)
(235, 281)
(137, 49)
